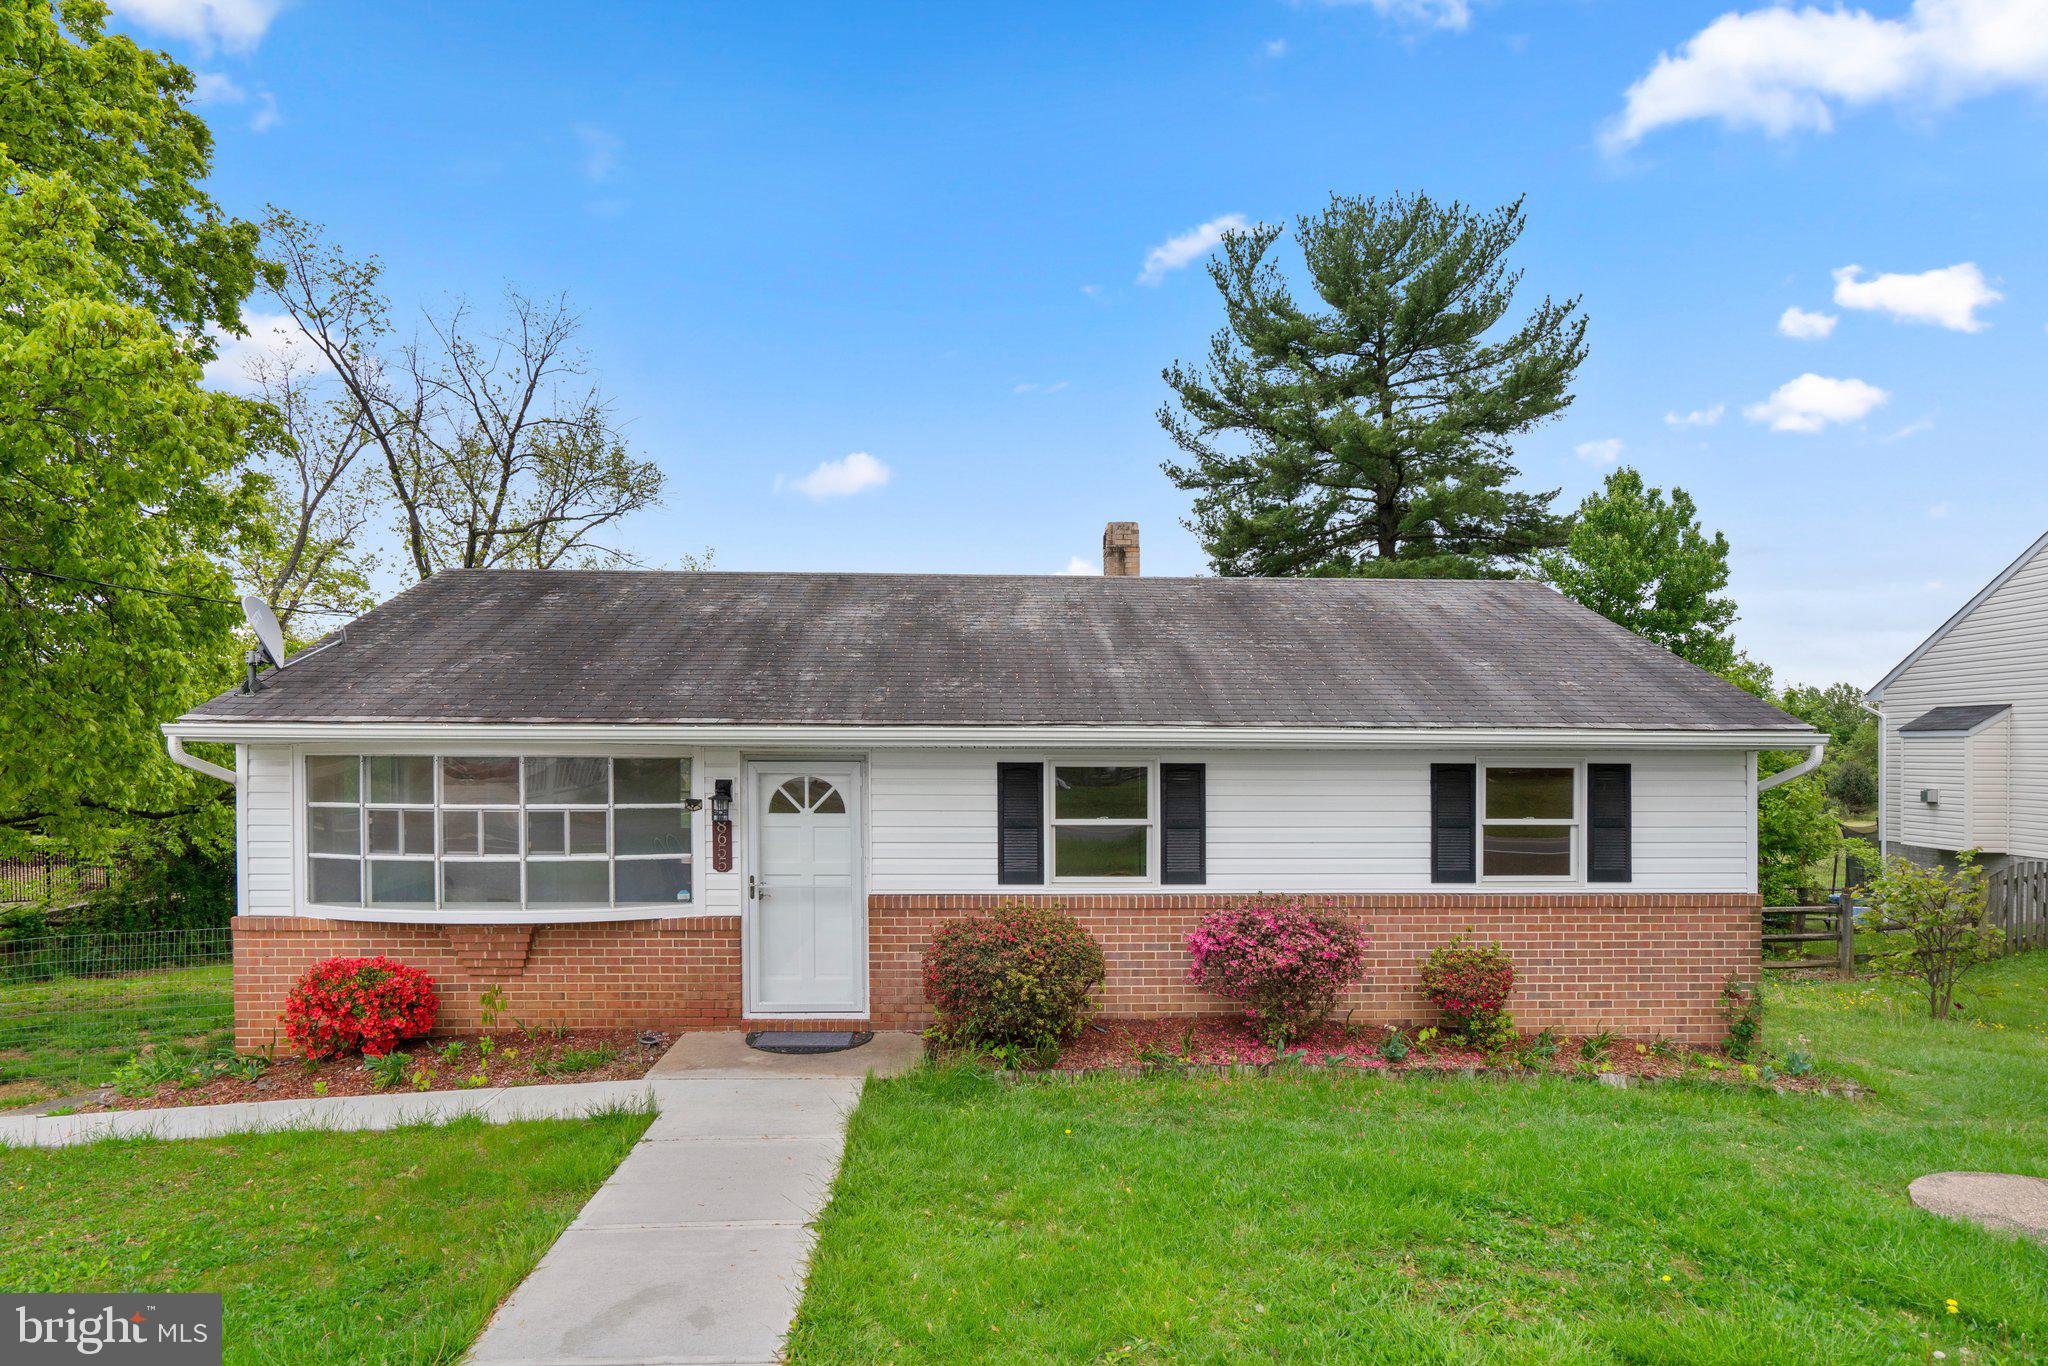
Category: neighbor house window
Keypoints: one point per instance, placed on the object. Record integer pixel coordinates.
(1101, 821)
(469, 833)
(1529, 822)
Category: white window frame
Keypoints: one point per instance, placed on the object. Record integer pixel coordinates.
(1577, 822)
(1053, 822)
(524, 909)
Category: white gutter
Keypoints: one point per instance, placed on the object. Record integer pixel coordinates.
(1798, 770)
(197, 764)
(1011, 736)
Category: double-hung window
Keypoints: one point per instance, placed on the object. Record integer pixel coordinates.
(1529, 823)
(471, 833)
(1102, 819)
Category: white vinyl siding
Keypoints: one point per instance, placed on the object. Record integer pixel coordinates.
(1989, 775)
(1312, 821)
(269, 822)
(1997, 653)
(1934, 764)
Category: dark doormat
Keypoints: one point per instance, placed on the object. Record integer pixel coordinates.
(806, 1040)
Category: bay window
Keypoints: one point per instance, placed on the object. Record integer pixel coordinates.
(471, 833)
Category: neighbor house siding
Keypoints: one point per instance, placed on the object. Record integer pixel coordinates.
(1327, 821)
(1934, 763)
(1997, 652)
(1989, 763)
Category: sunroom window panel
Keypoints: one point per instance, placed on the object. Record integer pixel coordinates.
(337, 881)
(402, 882)
(650, 782)
(480, 782)
(334, 829)
(652, 830)
(500, 832)
(401, 832)
(556, 781)
(401, 780)
(587, 832)
(480, 883)
(547, 832)
(654, 881)
(333, 778)
(579, 882)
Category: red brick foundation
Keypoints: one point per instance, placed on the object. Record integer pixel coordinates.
(639, 974)
(1636, 963)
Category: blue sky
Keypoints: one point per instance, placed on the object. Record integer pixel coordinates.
(921, 233)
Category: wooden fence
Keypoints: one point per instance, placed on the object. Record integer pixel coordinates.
(37, 876)
(1832, 926)
(2018, 901)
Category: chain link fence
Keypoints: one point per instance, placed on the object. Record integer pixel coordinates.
(73, 1008)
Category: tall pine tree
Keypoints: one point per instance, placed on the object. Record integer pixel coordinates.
(1374, 435)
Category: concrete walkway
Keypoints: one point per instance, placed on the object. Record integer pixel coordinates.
(495, 1105)
(695, 1249)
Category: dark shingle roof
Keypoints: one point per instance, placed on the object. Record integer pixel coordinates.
(912, 649)
(1954, 720)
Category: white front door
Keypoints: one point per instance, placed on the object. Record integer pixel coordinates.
(807, 917)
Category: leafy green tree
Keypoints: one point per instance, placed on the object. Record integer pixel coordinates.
(1795, 834)
(111, 117)
(116, 467)
(1837, 709)
(1373, 435)
(1639, 558)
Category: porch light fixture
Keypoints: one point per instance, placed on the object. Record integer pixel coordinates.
(721, 800)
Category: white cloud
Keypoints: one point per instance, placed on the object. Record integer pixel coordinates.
(1949, 297)
(1030, 388)
(1698, 417)
(1938, 511)
(266, 116)
(1452, 14)
(600, 153)
(1783, 70)
(1606, 451)
(1912, 429)
(237, 25)
(1804, 326)
(1188, 247)
(1091, 291)
(272, 337)
(215, 87)
(1276, 48)
(1812, 401)
(1078, 566)
(857, 473)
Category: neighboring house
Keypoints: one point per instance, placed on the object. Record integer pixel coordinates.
(683, 800)
(1963, 740)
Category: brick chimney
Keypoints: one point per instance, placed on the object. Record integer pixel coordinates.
(1120, 550)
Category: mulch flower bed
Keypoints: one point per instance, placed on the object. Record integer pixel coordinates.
(1212, 1041)
(441, 1063)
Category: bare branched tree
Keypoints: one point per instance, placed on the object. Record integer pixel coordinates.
(495, 447)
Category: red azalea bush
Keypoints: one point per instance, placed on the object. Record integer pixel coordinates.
(1017, 976)
(1470, 984)
(347, 1004)
(1283, 958)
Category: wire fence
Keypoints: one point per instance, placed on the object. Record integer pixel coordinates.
(75, 1008)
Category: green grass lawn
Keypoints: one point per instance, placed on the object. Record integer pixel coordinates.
(388, 1247)
(57, 1037)
(1320, 1217)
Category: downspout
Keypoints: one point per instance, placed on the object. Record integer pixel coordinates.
(197, 764)
(1798, 770)
(1884, 847)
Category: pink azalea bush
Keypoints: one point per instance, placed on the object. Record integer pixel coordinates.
(1019, 976)
(1283, 958)
(1470, 984)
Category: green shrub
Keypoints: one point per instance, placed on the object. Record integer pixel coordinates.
(1470, 984)
(1742, 1005)
(1018, 976)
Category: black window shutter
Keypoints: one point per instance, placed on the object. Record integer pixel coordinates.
(1453, 822)
(1020, 823)
(1609, 824)
(1183, 824)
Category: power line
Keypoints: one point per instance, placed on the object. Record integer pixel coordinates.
(116, 587)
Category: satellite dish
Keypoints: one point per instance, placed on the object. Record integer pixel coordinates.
(263, 622)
